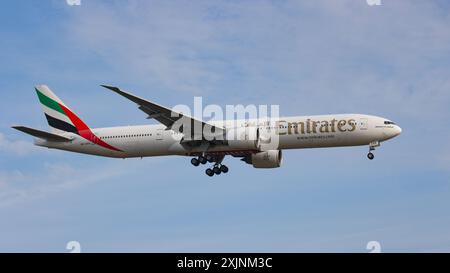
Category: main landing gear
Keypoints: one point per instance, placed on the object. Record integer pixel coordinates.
(372, 146)
(217, 168)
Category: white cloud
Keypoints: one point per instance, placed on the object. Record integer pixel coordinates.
(22, 185)
(16, 147)
(134, 34)
(17, 187)
(348, 52)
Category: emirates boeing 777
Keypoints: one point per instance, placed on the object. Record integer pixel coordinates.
(251, 140)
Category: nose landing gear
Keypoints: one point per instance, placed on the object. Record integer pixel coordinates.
(372, 146)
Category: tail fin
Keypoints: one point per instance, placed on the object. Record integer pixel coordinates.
(60, 118)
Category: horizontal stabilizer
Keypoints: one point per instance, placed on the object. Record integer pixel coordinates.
(41, 134)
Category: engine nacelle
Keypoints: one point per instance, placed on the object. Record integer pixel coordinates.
(267, 159)
(243, 138)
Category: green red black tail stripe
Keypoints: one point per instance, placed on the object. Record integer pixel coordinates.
(62, 118)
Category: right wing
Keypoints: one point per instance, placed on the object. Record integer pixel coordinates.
(41, 134)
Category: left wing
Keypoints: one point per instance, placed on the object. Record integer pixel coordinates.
(174, 120)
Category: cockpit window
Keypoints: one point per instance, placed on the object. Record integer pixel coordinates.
(388, 122)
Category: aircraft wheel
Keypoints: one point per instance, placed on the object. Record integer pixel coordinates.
(209, 172)
(224, 169)
(195, 162)
(202, 159)
(210, 159)
(370, 156)
(216, 170)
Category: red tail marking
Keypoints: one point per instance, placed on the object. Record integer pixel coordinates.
(85, 131)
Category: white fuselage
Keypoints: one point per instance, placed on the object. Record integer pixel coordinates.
(296, 132)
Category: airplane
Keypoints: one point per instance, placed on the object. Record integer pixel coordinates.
(250, 140)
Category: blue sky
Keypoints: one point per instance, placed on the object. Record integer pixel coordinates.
(309, 57)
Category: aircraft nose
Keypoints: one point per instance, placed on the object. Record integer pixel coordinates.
(398, 130)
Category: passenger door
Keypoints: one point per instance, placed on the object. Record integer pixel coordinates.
(363, 124)
(159, 134)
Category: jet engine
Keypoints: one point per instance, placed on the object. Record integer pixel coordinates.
(266, 159)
